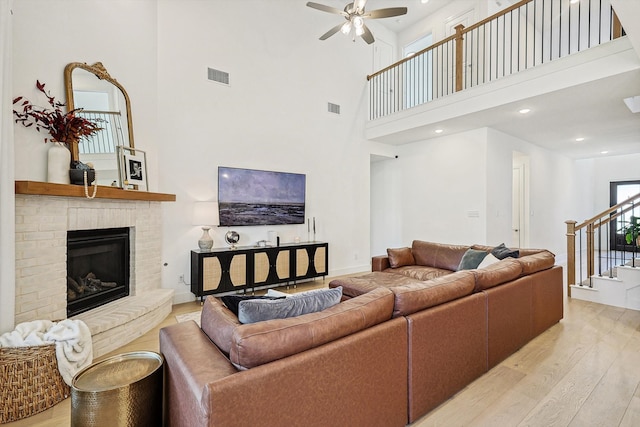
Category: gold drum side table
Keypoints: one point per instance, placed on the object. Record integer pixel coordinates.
(122, 391)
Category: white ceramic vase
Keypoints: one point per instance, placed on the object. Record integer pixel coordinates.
(58, 163)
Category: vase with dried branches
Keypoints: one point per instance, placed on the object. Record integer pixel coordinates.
(64, 129)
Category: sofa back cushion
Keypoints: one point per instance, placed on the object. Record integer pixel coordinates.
(258, 343)
(218, 322)
(535, 262)
(497, 273)
(414, 297)
(438, 255)
(253, 344)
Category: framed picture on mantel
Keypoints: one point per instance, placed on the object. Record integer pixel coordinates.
(133, 168)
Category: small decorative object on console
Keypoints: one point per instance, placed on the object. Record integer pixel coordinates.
(232, 238)
(205, 214)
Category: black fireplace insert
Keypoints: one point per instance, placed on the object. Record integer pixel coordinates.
(97, 268)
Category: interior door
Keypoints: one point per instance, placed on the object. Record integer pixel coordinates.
(520, 215)
(516, 207)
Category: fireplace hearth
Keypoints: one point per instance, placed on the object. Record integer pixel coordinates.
(97, 268)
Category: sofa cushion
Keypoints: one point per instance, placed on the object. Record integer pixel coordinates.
(438, 255)
(354, 286)
(420, 295)
(537, 262)
(400, 257)
(419, 272)
(502, 252)
(258, 310)
(262, 342)
(497, 273)
(471, 259)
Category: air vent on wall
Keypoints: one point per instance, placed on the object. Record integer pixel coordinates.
(333, 108)
(218, 76)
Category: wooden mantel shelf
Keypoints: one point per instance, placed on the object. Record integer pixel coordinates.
(104, 192)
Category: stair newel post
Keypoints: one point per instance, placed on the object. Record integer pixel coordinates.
(459, 43)
(571, 255)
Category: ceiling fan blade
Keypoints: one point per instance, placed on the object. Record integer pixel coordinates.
(367, 36)
(331, 32)
(324, 8)
(385, 13)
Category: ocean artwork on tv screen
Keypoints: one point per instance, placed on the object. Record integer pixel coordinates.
(257, 197)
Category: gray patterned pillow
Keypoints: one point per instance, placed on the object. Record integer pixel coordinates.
(257, 310)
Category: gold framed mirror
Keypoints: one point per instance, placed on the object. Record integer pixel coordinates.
(102, 98)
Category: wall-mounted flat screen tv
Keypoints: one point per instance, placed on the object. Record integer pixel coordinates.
(257, 197)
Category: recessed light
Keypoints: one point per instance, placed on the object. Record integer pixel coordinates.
(424, 1)
(633, 103)
(574, 1)
(524, 111)
(580, 139)
(438, 131)
(604, 152)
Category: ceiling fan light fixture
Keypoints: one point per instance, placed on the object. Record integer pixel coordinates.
(358, 22)
(359, 31)
(346, 28)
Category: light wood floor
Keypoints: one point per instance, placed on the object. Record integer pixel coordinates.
(584, 371)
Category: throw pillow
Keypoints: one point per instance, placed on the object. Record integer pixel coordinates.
(471, 259)
(400, 257)
(232, 301)
(257, 310)
(488, 260)
(502, 252)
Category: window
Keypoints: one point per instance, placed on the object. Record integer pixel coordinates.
(418, 73)
(618, 193)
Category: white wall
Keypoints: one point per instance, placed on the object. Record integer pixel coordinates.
(49, 34)
(435, 185)
(441, 183)
(605, 170)
(273, 116)
(554, 192)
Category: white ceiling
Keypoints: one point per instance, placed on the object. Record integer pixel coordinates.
(595, 110)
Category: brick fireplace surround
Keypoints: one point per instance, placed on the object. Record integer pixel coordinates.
(42, 222)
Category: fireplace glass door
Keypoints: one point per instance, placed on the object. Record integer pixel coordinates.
(97, 268)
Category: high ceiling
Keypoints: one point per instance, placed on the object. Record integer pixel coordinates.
(594, 111)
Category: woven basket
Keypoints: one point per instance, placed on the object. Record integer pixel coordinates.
(29, 381)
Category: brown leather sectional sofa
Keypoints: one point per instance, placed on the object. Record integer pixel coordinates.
(462, 323)
(394, 349)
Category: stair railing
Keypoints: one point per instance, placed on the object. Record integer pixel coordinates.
(522, 36)
(600, 223)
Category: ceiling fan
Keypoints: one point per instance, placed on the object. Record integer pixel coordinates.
(355, 15)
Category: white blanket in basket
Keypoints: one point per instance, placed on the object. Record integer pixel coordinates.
(72, 338)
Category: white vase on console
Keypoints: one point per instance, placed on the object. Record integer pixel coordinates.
(58, 161)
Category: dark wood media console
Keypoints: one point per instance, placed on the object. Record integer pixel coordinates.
(224, 270)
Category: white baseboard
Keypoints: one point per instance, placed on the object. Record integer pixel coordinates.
(364, 269)
(182, 297)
